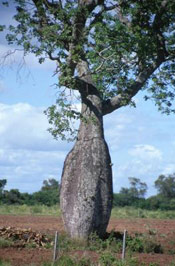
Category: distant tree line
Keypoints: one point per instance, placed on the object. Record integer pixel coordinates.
(47, 195)
(134, 195)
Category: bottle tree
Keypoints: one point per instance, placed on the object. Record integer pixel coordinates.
(106, 52)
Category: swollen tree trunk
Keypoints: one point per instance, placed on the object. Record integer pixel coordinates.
(86, 185)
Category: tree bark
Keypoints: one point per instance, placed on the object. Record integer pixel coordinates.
(86, 184)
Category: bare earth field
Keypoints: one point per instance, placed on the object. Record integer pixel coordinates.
(163, 230)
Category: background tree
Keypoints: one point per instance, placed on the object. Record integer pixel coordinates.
(49, 193)
(132, 195)
(12, 196)
(107, 52)
(3, 182)
(166, 186)
(137, 188)
(50, 184)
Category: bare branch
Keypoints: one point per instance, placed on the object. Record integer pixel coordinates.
(54, 58)
(99, 67)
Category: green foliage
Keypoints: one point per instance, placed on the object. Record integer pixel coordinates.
(132, 212)
(66, 260)
(60, 116)
(48, 195)
(30, 210)
(105, 254)
(137, 188)
(127, 49)
(166, 186)
(12, 197)
(107, 259)
(5, 243)
(3, 182)
(50, 184)
(48, 198)
(133, 196)
(143, 244)
(4, 263)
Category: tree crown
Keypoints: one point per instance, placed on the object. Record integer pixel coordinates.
(119, 47)
(166, 185)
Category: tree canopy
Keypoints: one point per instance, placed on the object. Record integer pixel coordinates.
(137, 188)
(166, 186)
(127, 46)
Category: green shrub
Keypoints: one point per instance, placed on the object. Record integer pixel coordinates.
(5, 243)
(143, 244)
(107, 259)
(4, 263)
(135, 244)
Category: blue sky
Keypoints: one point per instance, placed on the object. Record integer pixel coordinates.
(141, 140)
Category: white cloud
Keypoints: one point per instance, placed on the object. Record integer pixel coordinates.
(116, 127)
(146, 152)
(23, 126)
(28, 153)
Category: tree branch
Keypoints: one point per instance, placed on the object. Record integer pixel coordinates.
(98, 16)
(144, 71)
(124, 98)
(41, 13)
(157, 25)
(122, 19)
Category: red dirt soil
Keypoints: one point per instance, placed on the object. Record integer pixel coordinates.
(163, 231)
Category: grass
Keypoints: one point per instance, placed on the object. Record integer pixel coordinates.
(131, 212)
(105, 259)
(108, 250)
(117, 212)
(30, 210)
(112, 243)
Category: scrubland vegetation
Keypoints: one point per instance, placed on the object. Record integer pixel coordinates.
(133, 199)
(117, 212)
(102, 252)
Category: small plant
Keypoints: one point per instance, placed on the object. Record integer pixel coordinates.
(31, 245)
(5, 243)
(68, 244)
(152, 232)
(143, 244)
(152, 247)
(70, 261)
(107, 259)
(95, 243)
(111, 242)
(135, 244)
(36, 209)
(171, 251)
(4, 263)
